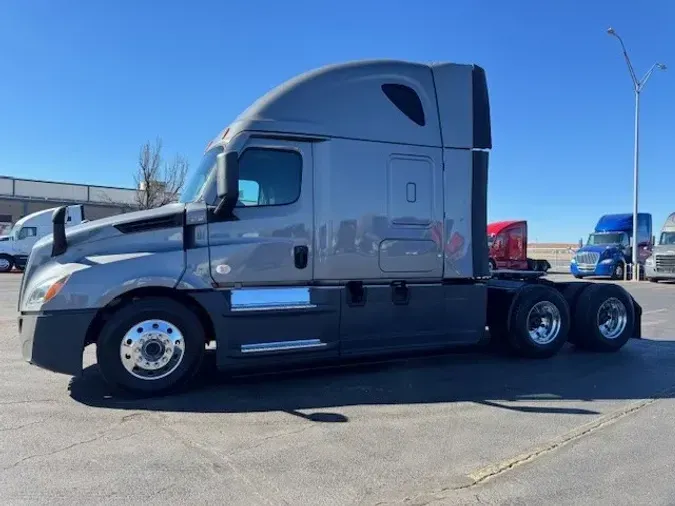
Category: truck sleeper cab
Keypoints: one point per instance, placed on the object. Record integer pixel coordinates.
(608, 250)
(342, 214)
(660, 266)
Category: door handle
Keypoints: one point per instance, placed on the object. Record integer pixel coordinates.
(301, 255)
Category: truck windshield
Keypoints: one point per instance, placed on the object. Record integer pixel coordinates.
(197, 183)
(667, 238)
(608, 238)
(13, 233)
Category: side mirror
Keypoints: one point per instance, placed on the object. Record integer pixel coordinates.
(227, 181)
(653, 240)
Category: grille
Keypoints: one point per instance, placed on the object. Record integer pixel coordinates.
(665, 262)
(587, 258)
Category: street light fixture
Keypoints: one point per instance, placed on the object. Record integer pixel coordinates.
(638, 86)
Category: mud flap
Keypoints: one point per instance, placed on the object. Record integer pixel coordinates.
(637, 330)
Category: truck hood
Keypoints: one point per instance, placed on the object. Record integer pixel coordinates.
(112, 226)
(664, 249)
(151, 232)
(602, 249)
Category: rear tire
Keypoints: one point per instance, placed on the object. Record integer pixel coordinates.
(539, 322)
(152, 346)
(6, 263)
(493, 266)
(604, 318)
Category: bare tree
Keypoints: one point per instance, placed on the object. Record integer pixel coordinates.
(157, 181)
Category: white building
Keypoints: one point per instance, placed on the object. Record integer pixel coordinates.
(19, 197)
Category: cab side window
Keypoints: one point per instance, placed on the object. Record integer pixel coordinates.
(269, 177)
(26, 232)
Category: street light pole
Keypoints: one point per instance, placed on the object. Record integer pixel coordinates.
(638, 86)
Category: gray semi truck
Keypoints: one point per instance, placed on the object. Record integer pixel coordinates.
(343, 214)
(660, 266)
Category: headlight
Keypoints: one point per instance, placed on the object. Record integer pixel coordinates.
(46, 291)
(573, 261)
(607, 261)
(649, 261)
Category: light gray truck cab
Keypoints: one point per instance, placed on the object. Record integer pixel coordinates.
(341, 214)
(661, 264)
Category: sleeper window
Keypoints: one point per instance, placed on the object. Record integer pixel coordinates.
(269, 177)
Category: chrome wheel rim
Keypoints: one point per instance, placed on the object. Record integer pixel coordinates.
(612, 318)
(4, 264)
(619, 271)
(152, 349)
(544, 322)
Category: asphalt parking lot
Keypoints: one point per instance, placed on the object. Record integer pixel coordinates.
(463, 428)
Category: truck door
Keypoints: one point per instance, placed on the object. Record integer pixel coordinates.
(26, 238)
(515, 246)
(262, 259)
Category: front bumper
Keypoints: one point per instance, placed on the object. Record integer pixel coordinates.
(652, 272)
(598, 269)
(55, 341)
(20, 261)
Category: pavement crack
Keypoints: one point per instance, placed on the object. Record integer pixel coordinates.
(218, 461)
(65, 448)
(26, 401)
(28, 424)
(269, 438)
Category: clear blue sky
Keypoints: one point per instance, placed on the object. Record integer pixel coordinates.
(84, 83)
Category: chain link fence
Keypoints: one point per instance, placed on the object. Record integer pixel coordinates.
(558, 257)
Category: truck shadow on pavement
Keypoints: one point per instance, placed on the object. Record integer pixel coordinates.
(643, 369)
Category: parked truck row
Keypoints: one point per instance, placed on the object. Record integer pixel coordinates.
(609, 249)
(282, 277)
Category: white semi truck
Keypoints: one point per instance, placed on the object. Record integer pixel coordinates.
(341, 215)
(660, 266)
(16, 246)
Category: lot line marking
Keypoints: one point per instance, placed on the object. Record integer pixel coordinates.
(654, 311)
(657, 322)
(497, 468)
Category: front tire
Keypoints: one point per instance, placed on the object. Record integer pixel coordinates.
(152, 346)
(617, 272)
(6, 263)
(539, 322)
(493, 266)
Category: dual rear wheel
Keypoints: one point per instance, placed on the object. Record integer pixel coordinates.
(540, 320)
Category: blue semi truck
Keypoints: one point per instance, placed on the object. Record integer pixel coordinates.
(609, 248)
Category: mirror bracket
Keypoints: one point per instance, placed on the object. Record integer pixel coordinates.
(227, 182)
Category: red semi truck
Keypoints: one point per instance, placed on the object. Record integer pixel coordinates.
(507, 243)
